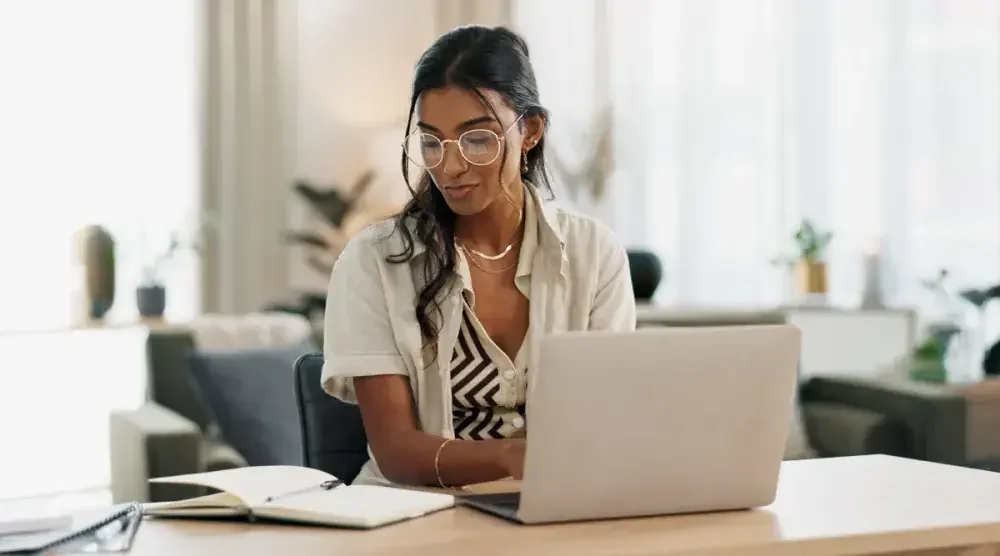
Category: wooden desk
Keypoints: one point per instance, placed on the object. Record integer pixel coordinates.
(859, 505)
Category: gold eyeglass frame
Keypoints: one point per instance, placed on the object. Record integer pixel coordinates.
(444, 145)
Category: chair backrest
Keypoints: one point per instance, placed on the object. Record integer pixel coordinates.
(333, 435)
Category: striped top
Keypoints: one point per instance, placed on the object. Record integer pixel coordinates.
(488, 389)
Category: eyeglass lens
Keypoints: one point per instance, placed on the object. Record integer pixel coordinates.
(478, 146)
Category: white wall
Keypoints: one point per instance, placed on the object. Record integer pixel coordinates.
(355, 61)
(94, 133)
(577, 81)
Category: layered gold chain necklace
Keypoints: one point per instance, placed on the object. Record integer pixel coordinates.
(473, 253)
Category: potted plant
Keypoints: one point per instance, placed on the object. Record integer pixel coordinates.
(151, 295)
(809, 261)
(927, 362)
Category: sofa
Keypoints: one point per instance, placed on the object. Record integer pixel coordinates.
(845, 415)
(894, 415)
(176, 432)
(188, 426)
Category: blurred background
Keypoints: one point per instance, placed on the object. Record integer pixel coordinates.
(188, 170)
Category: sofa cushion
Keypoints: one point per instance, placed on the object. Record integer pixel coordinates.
(250, 393)
(217, 456)
(798, 445)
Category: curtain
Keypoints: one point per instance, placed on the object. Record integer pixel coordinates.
(247, 187)
(454, 13)
(99, 127)
(735, 119)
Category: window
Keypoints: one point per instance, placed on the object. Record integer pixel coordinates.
(736, 118)
(99, 112)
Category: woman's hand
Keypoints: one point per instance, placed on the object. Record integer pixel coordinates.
(511, 457)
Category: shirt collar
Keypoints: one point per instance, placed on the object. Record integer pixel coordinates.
(548, 224)
(549, 239)
(525, 257)
(529, 243)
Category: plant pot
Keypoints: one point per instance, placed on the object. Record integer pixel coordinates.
(928, 370)
(646, 273)
(151, 301)
(811, 277)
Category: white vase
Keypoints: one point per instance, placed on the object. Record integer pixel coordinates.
(872, 295)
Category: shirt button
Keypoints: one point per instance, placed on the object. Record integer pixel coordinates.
(518, 422)
(509, 374)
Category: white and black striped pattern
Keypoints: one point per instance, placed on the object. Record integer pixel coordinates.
(475, 384)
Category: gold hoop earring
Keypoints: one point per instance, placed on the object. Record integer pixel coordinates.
(524, 162)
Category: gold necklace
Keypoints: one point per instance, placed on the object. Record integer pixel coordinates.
(484, 269)
(480, 254)
(496, 257)
(502, 254)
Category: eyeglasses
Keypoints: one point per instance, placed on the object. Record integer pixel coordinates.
(479, 147)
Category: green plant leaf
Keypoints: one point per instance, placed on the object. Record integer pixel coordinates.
(811, 243)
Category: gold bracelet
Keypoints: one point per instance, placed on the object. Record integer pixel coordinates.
(437, 462)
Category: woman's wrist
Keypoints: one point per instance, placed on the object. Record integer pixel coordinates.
(506, 451)
(437, 461)
(462, 462)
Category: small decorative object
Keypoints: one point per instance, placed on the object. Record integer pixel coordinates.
(871, 295)
(646, 272)
(151, 295)
(927, 361)
(956, 321)
(808, 262)
(591, 175)
(151, 301)
(95, 250)
(981, 298)
(991, 362)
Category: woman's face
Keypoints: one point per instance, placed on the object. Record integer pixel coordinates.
(450, 112)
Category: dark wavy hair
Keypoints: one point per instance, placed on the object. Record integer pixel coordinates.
(472, 57)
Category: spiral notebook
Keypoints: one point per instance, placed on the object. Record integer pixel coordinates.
(102, 531)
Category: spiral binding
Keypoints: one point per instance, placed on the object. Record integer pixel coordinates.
(131, 509)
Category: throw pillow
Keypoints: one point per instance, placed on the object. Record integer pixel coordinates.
(251, 395)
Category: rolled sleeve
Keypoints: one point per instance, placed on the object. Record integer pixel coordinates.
(358, 338)
(614, 302)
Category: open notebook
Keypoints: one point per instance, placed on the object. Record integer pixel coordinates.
(297, 494)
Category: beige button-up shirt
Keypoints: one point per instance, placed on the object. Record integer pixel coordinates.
(579, 280)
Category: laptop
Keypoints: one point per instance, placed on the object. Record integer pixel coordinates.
(654, 422)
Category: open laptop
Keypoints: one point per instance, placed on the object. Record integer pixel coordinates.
(654, 422)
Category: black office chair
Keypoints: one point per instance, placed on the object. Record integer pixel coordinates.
(333, 436)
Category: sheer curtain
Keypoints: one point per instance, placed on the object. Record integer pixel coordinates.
(735, 119)
(249, 94)
(98, 125)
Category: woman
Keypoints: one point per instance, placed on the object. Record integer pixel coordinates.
(433, 317)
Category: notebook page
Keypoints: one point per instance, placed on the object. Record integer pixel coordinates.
(221, 501)
(254, 484)
(358, 505)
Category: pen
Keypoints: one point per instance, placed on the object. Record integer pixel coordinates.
(326, 485)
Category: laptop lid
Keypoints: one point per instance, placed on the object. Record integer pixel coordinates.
(658, 421)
